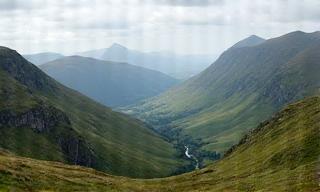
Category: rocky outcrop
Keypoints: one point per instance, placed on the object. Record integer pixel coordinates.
(53, 123)
(280, 93)
(40, 119)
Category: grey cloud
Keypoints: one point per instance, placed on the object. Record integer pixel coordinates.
(187, 3)
(9, 5)
(100, 25)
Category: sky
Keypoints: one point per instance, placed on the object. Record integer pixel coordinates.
(179, 26)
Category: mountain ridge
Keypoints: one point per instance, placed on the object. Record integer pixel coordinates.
(177, 66)
(110, 83)
(243, 87)
(250, 41)
(90, 127)
(43, 57)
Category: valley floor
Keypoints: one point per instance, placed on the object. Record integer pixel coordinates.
(281, 154)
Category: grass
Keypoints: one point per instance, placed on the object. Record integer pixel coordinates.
(123, 145)
(279, 155)
(242, 88)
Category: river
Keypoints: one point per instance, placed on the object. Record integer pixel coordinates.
(190, 156)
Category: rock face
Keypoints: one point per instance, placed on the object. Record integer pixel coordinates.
(49, 120)
(40, 119)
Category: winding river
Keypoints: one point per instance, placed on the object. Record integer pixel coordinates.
(190, 156)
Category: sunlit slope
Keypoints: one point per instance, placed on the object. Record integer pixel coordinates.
(281, 154)
(243, 87)
(42, 119)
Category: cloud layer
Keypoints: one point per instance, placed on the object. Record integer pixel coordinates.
(183, 26)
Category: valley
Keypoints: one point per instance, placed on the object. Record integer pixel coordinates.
(42, 119)
(159, 96)
(246, 85)
(281, 154)
(248, 119)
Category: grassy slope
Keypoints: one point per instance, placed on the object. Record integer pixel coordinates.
(124, 146)
(242, 88)
(280, 155)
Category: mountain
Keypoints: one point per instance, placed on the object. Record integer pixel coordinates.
(177, 66)
(281, 154)
(110, 83)
(251, 41)
(42, 119)
(41, 58)
(242, 88)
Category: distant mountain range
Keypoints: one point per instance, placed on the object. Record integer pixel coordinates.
(42, 119)
(41, 58)
(245, 86)
(177, 66)
(110, 83)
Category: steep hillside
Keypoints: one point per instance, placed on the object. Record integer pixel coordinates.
(177, 66)
(243, 87)
(42, 119)
(41, 58)
(281, 154)
(110, 83)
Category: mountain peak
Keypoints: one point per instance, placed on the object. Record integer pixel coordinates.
(255, 37)
(12, 63)
(250, 41)
(5, 51)
(117, 46)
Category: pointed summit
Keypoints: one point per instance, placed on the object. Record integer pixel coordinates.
(250, 41)
(117, 46)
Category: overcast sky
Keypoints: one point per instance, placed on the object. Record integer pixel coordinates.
(181, 26)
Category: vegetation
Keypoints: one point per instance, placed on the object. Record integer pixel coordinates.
(109, 141)
(245, 86)
(281, 154)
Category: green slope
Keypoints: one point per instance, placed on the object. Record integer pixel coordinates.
(42, 119)
(243, 87)
(281, 154)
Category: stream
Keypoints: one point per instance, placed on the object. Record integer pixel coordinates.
(190, 156)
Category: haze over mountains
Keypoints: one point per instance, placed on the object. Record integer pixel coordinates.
(177, 66)
(245, 86)
(42, 119)
(41, 58)
(110, 83)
